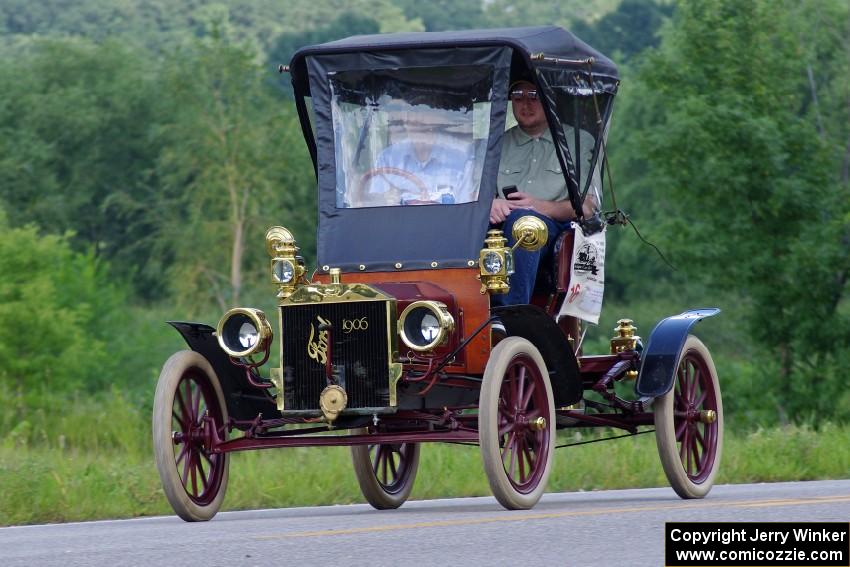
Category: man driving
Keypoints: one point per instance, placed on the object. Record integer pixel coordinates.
(420, 165)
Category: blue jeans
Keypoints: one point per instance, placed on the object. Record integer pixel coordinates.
(525, 262)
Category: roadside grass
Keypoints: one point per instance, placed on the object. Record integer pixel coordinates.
(91, 460)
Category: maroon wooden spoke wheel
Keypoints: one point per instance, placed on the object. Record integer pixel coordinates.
(689, 423)
(187, 405)
(516, 425)
(385, 472)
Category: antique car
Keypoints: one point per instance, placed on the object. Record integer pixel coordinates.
(392, 340)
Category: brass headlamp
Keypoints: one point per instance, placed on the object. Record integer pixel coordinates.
(286, 266)
(425, 325)
(496, 261)
(244, 331)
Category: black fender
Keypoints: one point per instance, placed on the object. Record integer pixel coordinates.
(243, 401)
(658, 366)
(532, 323)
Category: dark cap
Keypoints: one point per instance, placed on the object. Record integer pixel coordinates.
(526, 76)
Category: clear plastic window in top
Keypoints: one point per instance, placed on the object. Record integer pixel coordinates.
(413, 136)
(584, 119)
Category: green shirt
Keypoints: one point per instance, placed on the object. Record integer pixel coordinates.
(532, 164)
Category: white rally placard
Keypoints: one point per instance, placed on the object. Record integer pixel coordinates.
(587, 277)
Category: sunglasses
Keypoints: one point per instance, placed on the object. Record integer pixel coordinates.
(520, 94)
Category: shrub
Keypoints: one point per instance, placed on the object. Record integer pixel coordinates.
(57, 308)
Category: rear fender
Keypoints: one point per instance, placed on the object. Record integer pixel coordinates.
(244, 402)
(658, 368)
(534, 324)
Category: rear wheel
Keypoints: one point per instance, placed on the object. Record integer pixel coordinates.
(516, 423)
(689, 423)
(187, 404)
(386, 472)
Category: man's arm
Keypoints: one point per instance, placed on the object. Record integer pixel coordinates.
(557, 210)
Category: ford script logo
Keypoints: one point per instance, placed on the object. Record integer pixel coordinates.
(317, 346)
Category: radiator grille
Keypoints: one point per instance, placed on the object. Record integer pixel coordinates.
(359, 356)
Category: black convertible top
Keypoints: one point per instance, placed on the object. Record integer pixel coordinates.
(551, 42)
(564, 68)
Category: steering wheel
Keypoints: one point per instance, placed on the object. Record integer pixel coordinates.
(425, 193)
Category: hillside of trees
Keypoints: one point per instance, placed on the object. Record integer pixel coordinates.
(147, 145)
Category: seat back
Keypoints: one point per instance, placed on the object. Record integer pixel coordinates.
(562, 257)
(553, 275)
(553, 283)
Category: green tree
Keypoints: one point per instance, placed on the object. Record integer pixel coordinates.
(232, 164)
(162, 25)
(543, 12)
(346, 24)
(746, 190)
(440, 15)
(626, 31)
(74, 130)
(159, 25)
(57, 311)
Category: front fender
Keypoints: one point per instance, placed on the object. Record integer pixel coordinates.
(243, 401)
(658, 368)
(532, 323)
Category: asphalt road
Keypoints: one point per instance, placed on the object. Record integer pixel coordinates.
(616, 527)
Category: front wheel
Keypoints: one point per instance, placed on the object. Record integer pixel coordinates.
(188, 402)
(516, 424)
(385, 472)
(689, 423)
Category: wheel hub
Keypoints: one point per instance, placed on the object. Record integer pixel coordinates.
(520, 422)
(195, 436)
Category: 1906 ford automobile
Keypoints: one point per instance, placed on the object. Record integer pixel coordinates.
(392, 341)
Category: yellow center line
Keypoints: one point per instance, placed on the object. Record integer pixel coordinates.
(794, 501)
(571, 513)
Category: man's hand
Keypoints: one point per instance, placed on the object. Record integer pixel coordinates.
(499, 211)
(501, 208)
(520, 200)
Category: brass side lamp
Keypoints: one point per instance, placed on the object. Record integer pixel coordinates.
(496, 260)
(287, 267)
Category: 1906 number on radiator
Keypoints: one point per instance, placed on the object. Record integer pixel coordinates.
(360, 324)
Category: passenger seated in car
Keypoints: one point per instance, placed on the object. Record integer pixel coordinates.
(530, 164)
